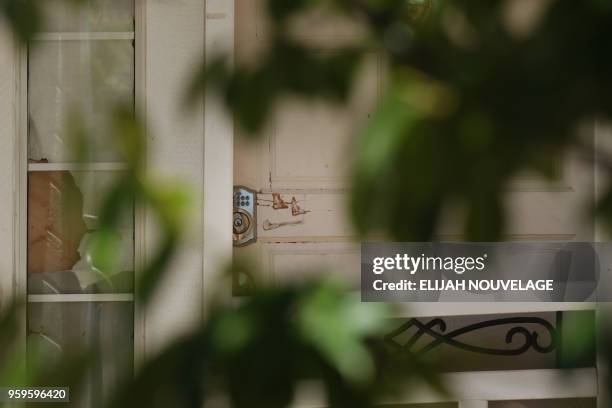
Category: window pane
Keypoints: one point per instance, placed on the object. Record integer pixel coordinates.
(60, 330)
(92, 15)
(63, 212)
(77, 79)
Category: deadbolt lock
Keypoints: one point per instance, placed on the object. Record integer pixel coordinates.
(244, 224)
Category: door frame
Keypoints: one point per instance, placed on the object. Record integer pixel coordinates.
(19, 142)
(218, 157)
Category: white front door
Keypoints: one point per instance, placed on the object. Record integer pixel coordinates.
(301, 164)
(299, 168)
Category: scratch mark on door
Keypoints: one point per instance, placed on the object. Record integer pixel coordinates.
(268, 225)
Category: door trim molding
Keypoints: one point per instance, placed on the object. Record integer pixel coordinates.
(218, 157)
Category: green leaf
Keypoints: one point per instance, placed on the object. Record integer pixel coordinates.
(337, 325)
(24, 17)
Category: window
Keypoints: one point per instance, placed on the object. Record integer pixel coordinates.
(78, 69)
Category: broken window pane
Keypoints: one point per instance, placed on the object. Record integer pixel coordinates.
(63, 217)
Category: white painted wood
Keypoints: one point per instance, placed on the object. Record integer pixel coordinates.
(21, 193)
(94, 297)
(174, 43)
(9, 164)
(515, 385)
(84, 36)
(77, 166)
(304, 154)
(430, 309)
(218, 156)
(13, 227)
(287, 262)
(140, 232)
(479, 387)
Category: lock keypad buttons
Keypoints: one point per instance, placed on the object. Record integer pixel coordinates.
(244, 225)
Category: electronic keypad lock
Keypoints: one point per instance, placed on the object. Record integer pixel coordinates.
(244, 225)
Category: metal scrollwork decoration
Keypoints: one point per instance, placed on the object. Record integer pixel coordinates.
(436, 329)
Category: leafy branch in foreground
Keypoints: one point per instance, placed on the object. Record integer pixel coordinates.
(475, 97)
(259, 353)
(27, 17)
(169, 206)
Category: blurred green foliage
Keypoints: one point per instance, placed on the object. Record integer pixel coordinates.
(23, 16)
(258, 353)
(168, 205)
(472, 100)
(478, 92)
